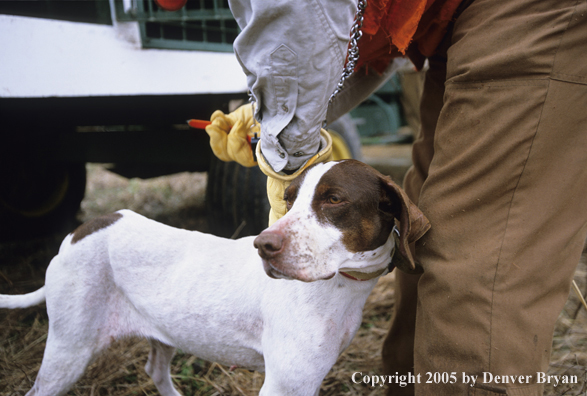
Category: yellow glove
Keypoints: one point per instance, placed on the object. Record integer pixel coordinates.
(228, 135)
(278, 182)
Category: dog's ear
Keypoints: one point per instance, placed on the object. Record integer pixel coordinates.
(412, 224)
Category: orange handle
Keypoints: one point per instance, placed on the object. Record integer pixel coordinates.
(199, 124)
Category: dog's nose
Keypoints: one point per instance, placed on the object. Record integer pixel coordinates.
(269, 243)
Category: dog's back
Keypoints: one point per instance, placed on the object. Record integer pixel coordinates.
(148, 279)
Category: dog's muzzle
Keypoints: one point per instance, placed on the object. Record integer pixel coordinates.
(271, 245)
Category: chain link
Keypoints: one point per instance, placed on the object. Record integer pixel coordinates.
(353, 52)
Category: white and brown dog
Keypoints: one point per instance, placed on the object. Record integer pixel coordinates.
(124, 275)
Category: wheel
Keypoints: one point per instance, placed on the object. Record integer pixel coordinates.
(39, 197)
(236, 197)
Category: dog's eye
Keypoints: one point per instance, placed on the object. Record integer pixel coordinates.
(334, 200)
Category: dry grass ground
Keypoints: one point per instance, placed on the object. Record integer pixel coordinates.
(178, 200)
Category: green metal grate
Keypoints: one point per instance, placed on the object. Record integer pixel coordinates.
(206, 25)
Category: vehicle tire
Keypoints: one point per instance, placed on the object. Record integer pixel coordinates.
(236, 197)
(39, 197)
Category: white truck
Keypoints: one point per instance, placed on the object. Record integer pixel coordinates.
(115, 81)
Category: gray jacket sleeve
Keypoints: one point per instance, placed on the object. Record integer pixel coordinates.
(292, 52)
(359, 87)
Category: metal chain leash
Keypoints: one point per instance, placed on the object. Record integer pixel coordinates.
(353, 53)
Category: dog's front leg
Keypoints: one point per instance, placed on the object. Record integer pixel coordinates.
(294, 383)
(158, 367)
(296, 364)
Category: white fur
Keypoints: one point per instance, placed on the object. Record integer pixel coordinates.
(206, 295)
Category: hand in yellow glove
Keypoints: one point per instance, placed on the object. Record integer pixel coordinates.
(228, 135)
(278, 182)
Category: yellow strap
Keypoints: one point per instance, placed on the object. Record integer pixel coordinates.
(340, 149)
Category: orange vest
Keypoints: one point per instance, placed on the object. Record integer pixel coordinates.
(394, 28)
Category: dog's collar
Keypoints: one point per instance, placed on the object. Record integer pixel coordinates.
(365, 276)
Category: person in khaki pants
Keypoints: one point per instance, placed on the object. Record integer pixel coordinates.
(500, 164)
(500, 170)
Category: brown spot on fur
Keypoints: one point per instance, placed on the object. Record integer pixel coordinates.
(369, 204)
(363, 218)
(91, 226)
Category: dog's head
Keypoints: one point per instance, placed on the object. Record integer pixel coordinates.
(340, 217)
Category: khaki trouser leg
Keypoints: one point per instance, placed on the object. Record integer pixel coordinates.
(398, 355)
(505, 194)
